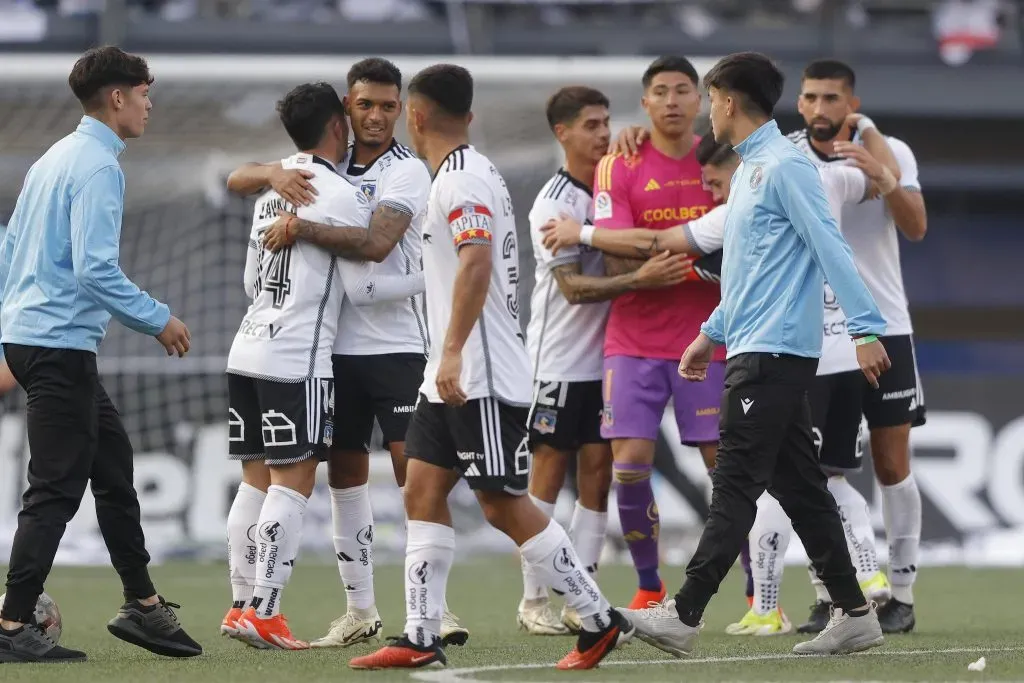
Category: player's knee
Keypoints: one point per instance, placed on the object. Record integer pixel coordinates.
(708, 453)
(891, 471)
(297, 476)
(633, 452)
(348, 468)
(424, 503)
(594, 481)
(256, 474)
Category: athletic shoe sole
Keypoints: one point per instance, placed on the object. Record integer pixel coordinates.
(130, 632)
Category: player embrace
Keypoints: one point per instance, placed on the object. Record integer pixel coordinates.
(569, 310)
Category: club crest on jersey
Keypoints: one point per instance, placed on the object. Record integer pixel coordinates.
(369, 189)
(544, 421)
(602, 206)
(756, 176)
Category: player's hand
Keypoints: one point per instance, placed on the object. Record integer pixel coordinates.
(560, 233)
(880, 176)
(693, 366)
(850, 124)
(293, 185)
(175, 337)
(873, 361)
(628, 141)
(663, 269)
(281, 234)
(449, 374)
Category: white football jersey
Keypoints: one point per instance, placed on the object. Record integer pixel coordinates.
(289, 329)
(844, 187)
(470, 204)
(400, 180)
(869, 229)
(565, 341)
(707, 233)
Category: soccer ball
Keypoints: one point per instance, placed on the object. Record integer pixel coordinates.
(47, 615)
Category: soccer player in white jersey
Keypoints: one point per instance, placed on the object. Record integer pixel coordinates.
(470, 419)
(872, 229)
(280, 385)
(569, 309)
(836, 417)
(380, 354)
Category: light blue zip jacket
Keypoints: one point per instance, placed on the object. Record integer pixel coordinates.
(779, 238)
(59, 271)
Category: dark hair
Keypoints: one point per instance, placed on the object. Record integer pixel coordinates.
(448, 86)
(103, 67)
(830, 69)
(669, 64)
(751, 75)
(566, 104)
(306, 111)
(713, 153)
(375, 70)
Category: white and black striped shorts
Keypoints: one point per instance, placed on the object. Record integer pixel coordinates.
(280, 422)
(484, 440)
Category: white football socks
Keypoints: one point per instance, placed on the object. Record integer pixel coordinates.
(429, 552)
(769, 539)
(278, 536)
(587, 531)
(860, 536)
(551, 555)
(535, 586)
(242, 519)
(901, 510)
(352, 520)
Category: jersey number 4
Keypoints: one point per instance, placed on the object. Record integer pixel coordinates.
(278, 281)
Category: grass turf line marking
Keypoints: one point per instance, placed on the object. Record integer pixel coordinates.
(460, 675)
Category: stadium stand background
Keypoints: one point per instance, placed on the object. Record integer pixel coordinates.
(184, 237)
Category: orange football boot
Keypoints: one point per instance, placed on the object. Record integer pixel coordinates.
(402, 653)
(644, 598)
(268, 634)
(229, 627)
(592, 647)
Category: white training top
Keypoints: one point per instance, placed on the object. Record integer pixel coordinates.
(289, 329)
(565, 341)
(872, 234)
(383, 311)
(470, 204)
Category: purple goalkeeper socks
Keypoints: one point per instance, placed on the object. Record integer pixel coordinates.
(638, 515)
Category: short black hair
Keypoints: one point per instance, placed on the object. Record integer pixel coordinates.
(103, 67)
(751, 75)
(714, 153)
(830, 69)
(669, 64)
(567, 103)
(306, 111)
(449, 86)
(375, 70)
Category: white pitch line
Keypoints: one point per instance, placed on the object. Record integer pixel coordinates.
(464, 675)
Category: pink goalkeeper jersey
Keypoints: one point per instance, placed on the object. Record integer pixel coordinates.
(654, 191)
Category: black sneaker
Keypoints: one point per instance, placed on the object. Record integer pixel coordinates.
(818, 619)
(896, 617)
(593, 646)
(29, 643)
(154, 628)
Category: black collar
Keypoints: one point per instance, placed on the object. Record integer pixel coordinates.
(359, 169)
(585, 188)
(324, 162)
(448, 156)
(821, 155)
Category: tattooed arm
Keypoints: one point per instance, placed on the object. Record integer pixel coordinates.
(387, 226)
(660, 271)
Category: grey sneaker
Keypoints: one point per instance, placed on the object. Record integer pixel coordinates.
(154, 628)
(29, 643)
(659, 625)
(845, 634)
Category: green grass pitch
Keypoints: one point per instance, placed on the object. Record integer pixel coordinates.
(962, 614)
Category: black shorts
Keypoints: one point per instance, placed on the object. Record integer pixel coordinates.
(899, 398)
(566, 415)
(836, 402)
(280, 422)
(375, 387)
(484, 440)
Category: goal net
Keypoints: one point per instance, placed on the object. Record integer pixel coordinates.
(184, 240)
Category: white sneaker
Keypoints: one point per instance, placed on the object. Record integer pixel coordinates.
(451, 632)
(538, 619)
(571, 620)
(658, 625)
(355, 626)
(844, 634)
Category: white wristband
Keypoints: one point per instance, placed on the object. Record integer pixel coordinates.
(864, 124)
(887, 184)
(587, 234)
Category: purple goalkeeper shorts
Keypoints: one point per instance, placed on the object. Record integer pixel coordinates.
(637, 390)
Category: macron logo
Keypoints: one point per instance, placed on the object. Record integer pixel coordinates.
(652, 185)
(746, 404)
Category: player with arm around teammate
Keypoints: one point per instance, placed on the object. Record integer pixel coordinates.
(381, 352)
(569, 309)
(280, 381)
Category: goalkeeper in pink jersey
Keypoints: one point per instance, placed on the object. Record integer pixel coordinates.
(659, 188)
